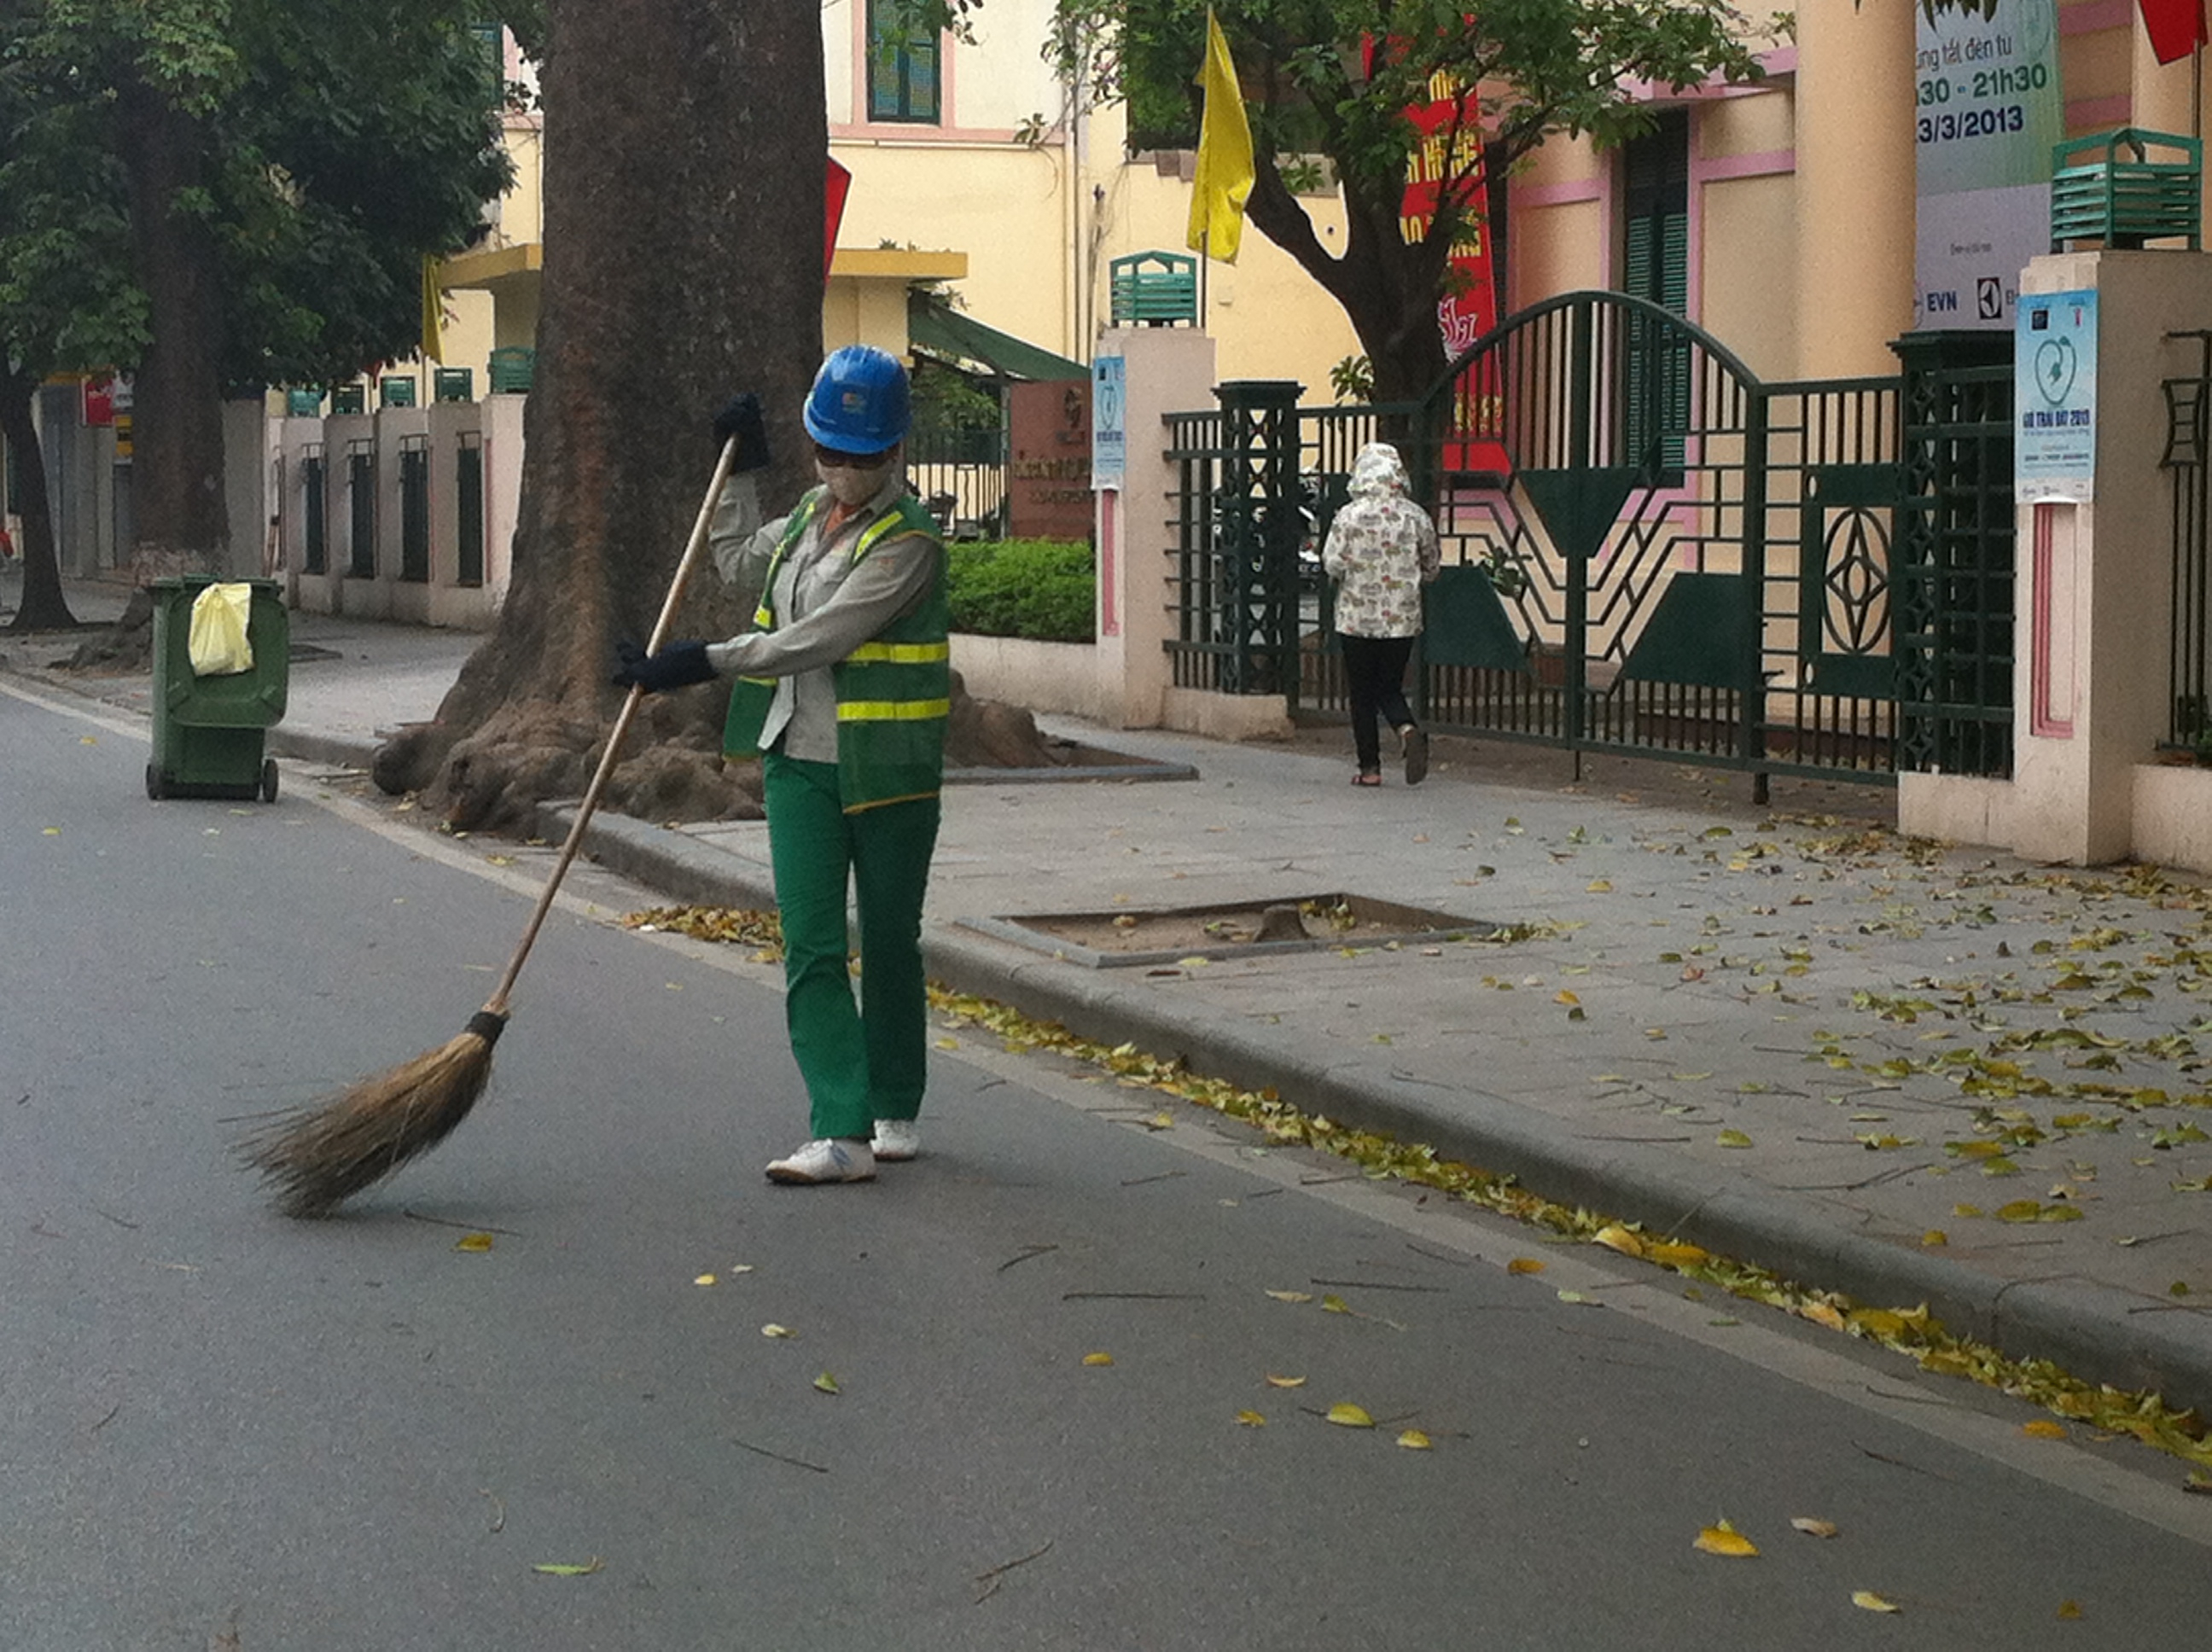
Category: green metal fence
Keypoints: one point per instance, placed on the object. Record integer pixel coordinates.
(2188, 410)
(1647, 550)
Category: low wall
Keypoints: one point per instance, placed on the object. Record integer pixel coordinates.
(2173, 816)
(1041, 677)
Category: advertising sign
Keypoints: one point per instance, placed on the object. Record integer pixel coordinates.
(2055, 393)
(1109, 445)
(1048, 465)
(1988, 112)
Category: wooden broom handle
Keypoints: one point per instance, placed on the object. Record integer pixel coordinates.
(496, 1004)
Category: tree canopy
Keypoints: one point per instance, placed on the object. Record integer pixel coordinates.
(280, 167)
(1335, 78)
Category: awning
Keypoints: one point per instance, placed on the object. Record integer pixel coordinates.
(933, 325)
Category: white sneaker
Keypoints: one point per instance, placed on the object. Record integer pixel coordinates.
(825, 1161)
(896, 1140)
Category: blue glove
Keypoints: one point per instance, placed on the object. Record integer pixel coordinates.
(676, 666)
(741, 420)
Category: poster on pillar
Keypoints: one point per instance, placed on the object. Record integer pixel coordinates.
(1988, 112)
(2055, 400)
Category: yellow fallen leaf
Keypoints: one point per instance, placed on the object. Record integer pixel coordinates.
(1732, 1138)
(948, 1043)
(1724, 1540)
(1820, 1314)
(2043, 1429)
(1573, 1297)
(1599, 886)
(1613, 1236)
(1251, 1419)
(1160, 1122)
(1868, 1601)
(1563, 996)
(1413, 1440)
(52, 831)
(1099, 1358)
(1934, 1237)
(1812, 1528)
(1335, 1304)
(1291, 1295)
(1345, 1414)
(1524, 1265)
(704, 1279)
(827, 1383)
(774, 1331)
(555, 1568)
(2069, 1610)
(473, 1241)
(2021, 1210)
(1274, 1382)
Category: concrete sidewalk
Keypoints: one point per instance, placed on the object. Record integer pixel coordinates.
(1790, 1037)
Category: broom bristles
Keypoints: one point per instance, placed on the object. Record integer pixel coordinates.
(317, 1157)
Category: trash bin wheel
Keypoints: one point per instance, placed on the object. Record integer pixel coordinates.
(269, 779)
(154, 788)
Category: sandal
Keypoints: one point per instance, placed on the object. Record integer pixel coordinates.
(1367, 779)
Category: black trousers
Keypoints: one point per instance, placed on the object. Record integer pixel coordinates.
(1374, 676)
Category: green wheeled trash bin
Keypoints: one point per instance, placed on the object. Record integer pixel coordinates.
(208, 730)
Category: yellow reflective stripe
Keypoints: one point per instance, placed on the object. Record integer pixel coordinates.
(892, 711)
(903, 653)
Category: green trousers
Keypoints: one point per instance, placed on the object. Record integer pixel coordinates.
(866, 1061)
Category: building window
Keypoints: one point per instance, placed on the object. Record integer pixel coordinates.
(903, 65)
(1656, 266)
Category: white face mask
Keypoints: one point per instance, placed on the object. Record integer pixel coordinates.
(852, 484)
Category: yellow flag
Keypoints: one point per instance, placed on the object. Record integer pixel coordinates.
(434, 341)
(1224, 155)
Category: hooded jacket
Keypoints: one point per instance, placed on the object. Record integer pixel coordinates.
(1381, 551)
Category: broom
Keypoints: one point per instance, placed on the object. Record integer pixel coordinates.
(316, 1157)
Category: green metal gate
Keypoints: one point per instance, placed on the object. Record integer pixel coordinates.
(1647, 550)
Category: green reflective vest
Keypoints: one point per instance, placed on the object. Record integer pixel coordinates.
(894, 691)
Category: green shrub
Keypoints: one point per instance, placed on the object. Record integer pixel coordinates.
(1046, 589)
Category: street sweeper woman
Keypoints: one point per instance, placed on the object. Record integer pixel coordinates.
(842, 689)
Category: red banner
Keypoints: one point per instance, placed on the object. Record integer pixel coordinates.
(1450, 148)
(2176, 28)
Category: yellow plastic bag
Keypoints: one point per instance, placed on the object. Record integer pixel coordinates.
(219, 646)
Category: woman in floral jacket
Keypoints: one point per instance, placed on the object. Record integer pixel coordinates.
(1381, 551)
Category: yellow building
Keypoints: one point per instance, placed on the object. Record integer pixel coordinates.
(972, 169)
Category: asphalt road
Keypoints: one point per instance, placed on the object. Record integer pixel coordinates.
(225, 1430)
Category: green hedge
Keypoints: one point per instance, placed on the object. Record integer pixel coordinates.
(1045, 590)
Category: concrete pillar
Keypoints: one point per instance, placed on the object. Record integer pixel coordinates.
(2163, 97)
(502, 481)
(2094, 587)
(1165, 370)
(1855, 185)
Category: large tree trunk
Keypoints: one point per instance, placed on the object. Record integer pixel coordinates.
(44, 608)
(685, 153)
(176, 482)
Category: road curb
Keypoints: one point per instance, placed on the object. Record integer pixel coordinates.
(2098, 1333)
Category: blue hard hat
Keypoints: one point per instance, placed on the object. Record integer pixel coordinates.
(859, 401)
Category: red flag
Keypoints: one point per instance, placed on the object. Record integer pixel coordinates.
(839, 186)
(2176, 28)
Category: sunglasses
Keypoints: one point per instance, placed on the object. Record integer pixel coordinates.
(831, 456)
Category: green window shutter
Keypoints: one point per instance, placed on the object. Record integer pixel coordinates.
(903, 64)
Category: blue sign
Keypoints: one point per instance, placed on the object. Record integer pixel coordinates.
(1110, 420)
(2055, 398)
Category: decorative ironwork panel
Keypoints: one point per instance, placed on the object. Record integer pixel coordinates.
(1954, 581)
